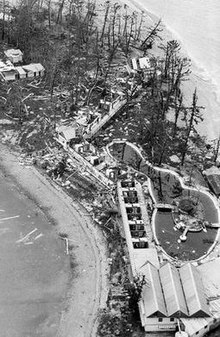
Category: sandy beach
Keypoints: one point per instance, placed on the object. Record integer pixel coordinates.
(88, 284)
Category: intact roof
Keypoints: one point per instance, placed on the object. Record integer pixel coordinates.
(194, 291)
(38, 66)
(193, 325)
(152, 295)
(10, 72)
(30, 67)
(20, 70)
(33, 67)
(13, 52)
(173, 292)
(142, 256)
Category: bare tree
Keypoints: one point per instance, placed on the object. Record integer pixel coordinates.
(195, 118)
(153, 33)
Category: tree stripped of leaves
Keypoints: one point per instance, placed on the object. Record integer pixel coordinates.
(153, 33)
(195, 117)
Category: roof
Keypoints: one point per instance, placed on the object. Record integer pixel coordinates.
(68, 132)
(30, 67)
(8, 73)
(82, 121)
(144, 62)
(209, 272)
(152, 295)
(38, 66)
(173, 292)
(34, 67)
(5, 66)
(142, 256)
(192, 325)
(20, 70)
(6, 17)
(13, 52)
(214, 182)
(194, 291)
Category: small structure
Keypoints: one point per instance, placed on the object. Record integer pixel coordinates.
(7, 71)
(39, 69)
(21, 73)
(10, 73)
(135, 64)
(6, 17)
(14, 55)
(68, 133)
(34, 70)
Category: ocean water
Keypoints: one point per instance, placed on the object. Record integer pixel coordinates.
(34, 272)
(196, 23)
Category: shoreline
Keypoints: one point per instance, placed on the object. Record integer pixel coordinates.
(199, 78)
(88, 290)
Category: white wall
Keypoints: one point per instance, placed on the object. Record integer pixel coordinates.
(153, 324)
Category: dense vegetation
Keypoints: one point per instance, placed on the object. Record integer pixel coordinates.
(84, 47)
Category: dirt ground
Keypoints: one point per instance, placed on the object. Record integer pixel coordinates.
(88, 290)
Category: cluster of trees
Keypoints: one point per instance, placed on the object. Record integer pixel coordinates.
(81, 45)
(76, 40)
(162, 136)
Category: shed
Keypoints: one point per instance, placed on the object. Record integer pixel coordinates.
(14, 55)
(173, 292)
(152, 295)
(194, 291)
(29, 70)
(39, 69)
(144, 62)
(21, 72)
(9, 75)
(139, 63)
(34, 69)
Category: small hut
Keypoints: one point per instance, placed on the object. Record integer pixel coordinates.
(14, 55)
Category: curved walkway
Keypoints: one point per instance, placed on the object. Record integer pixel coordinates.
(88, 288)
(142, 156)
